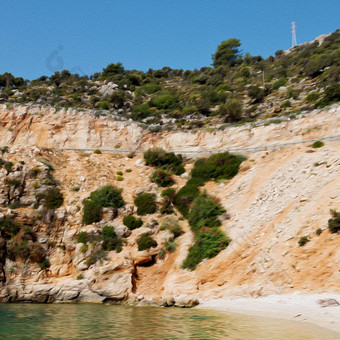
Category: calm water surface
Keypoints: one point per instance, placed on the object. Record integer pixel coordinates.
(86, 321)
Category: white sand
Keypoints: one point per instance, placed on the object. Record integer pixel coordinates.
(295, 307)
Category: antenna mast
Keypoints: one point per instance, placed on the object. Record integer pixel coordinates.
(294, 34)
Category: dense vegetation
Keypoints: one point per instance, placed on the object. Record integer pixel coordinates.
(238, 87)
(219, 166)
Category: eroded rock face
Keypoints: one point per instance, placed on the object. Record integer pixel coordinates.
(275, 199)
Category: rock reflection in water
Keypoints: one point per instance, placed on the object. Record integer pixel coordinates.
(84, 321)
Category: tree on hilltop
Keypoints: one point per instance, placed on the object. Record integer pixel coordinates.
(227, 53)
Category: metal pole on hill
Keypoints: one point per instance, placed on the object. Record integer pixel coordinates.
(294, 43)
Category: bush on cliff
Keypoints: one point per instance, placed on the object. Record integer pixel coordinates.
(110, 238)
(164, 160)
(92, 212)
(8, 227)
(334, 223)
(145, 241)
(145, 203)
(52, 197)
(132, 222)
(208, 243)
(108, 196)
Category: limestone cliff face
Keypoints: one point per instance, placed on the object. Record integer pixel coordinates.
(46, 127)
(278, 196)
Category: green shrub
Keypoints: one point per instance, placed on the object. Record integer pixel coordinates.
(231, 110)
(185, 197)
(208, 243)
(170, 245)
(167, 207)
(280, 82)
(176, 230)
(92, 212)
(219, 166)
(165, 101)
(120, 173)
(141, 111)
(110, 238)
(318, 144)
(104, 105)
(16, 204)
(170, 193)
(164, 160)
(313, 96)
(145, 241)
(82, 237)
(303, 240)
(128, 170)
(204, 213)
(45, 264)
(8, 166)
(132, 222)
(75, 188)
(120, 178)
(318, 232)
(4, 149)
(151, 88)
(334, 223)
(286, 104)
(162, 178)
(97, 151)
(162, 253)
(257, 93)
(80, 277)
(108, 196)
(52, 197)
(146, 203)
(8, 227)
(12, 182)
(84, 248)
(98, 255)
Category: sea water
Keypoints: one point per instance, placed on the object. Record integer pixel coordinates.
(91, 321)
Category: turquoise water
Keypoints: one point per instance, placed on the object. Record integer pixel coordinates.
(86, 321)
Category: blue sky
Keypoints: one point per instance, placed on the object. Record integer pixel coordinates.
(40, 37)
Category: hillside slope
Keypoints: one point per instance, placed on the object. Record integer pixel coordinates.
(277, 197)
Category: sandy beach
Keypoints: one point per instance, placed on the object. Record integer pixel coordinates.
(295, 307)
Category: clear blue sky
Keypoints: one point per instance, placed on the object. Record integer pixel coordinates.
(40, 37)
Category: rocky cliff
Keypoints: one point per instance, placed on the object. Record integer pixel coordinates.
(278, 196)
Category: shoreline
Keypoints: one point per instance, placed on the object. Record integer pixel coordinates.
(294, 307)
